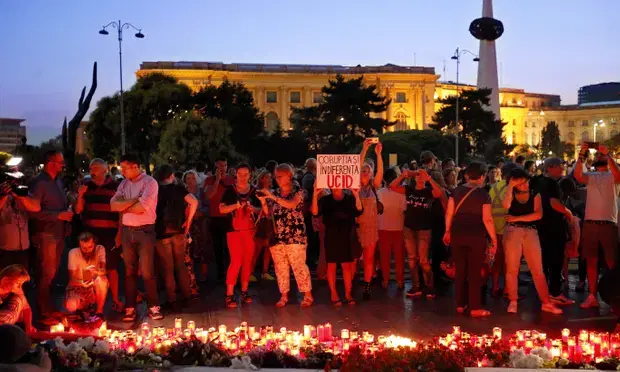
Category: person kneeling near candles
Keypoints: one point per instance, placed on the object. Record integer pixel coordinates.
(14, 306)
(88, 284)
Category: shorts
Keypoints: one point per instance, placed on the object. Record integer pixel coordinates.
(85, 296)
(604, 235)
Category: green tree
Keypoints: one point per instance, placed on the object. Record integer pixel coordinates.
(349, 112)
(479, 126)
(550, 140)
(150, 103)
(234, 103)
(280, 146)
(189, 137)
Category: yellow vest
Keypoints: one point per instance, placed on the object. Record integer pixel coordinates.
(497, 193)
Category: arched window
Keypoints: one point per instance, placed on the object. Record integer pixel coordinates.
(401, 121)
(271, 121)
(514, 138)
(585, 136)
(571, 137)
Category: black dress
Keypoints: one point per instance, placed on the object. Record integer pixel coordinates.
(341, 242)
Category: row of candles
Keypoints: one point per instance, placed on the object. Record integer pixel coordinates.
(584, 347)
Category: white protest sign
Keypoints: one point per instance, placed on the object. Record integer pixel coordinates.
(338, 171)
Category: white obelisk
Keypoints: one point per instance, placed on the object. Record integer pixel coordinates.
(487, 67)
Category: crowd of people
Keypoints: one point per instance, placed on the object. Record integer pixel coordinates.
(470, 224)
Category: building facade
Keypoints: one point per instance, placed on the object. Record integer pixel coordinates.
(415, 93)
(598, 93)
(11, 133)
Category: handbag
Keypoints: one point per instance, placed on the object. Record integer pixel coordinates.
(380, 206)
(265, 227)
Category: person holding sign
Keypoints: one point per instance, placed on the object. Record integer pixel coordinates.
(339, 209)
(368, 221)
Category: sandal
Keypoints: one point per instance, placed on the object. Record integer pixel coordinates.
(350, 302)
(337, 303)
(479, 313)
(282, 302)
(246, 298)
(118, 307)
(307, 302)
(230, 302)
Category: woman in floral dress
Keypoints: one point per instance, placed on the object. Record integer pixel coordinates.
(368, 222)
(290, 239)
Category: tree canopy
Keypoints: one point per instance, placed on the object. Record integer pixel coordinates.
(190, 137)
(349, 112)
(481, 131)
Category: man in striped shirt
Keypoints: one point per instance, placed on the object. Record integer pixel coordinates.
(93, 205)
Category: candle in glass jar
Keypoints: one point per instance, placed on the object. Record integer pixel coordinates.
(344, 334)
(307, 332)
(222, 329)
(497, 332)
(565, 334)
(321, 333)
(456, 331)
(328, 331)
(178, 323)
(191, 325)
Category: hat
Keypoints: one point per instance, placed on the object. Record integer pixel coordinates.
(426, 157)
(552, 162)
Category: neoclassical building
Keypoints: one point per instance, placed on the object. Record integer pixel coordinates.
(415, 93)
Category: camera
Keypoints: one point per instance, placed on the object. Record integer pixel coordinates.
(14, 179)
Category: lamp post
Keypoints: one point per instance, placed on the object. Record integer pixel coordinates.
(601, 124)
(457, 57)
(119, 27)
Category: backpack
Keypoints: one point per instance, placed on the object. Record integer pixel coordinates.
(174, 211)
(243, 218)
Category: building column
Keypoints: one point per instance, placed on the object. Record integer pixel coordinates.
(307, 98)
(388, 94)
(260, 101)
(413, 97)
(284, 108)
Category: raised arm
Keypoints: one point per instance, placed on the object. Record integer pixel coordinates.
(530, 217)
(397, 184)
(378, 180)
(365, 147)
(508, 196)
(578, 172)
(611, 163)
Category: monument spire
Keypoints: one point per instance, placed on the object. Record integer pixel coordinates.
(488, 29)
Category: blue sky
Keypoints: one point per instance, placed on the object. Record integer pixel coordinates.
(48, 47)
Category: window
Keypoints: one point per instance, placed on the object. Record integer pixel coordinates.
(295, 97)
(401, 121)
(571, 123)
(317, 97)
(271, 121)
(613, 133)
(514, 138)
(514, 122)
(526, 124)
(514, 101)
(585, 136)
(401, 97)
(613, 121)
(272, 96)
(584, 123)
(571, 137)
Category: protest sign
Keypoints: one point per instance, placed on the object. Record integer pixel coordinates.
(338, 171)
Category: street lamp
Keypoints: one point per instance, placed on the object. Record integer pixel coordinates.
(601, 124)
(457, 57)
(119, 27)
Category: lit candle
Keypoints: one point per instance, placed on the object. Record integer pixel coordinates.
(328, 331)
(307, 331)
(583, 335)
(191, 325)
(321, 333)
(178, 323)
(456, 331)
(565, 334)
(497, 332)
(251, 332)
(344, 334)
(222, 329)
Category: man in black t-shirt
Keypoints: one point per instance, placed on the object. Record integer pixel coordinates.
(172, 226)
(552, 228)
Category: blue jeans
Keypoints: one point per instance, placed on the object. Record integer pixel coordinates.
(139, 249)
(49, 252)
(171, 254)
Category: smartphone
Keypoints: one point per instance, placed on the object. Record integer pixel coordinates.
(374, 140)
(592, 145)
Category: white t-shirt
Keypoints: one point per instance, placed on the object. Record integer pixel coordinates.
(79, 263)
(602, 197)
(394, 206)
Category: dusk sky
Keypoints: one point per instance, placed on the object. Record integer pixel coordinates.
(48, 47)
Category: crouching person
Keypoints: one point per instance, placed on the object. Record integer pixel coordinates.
(88, 284)
(14, 306)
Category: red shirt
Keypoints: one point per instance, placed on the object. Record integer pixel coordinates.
(214, 202)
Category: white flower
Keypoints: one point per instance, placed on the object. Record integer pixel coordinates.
(542, 352)
(166, 364)
(530, 362)
(143, 352)
(243, 363)
(60, 344)
(86, 343)
(154, 357)
(73, 349)
(101, 347)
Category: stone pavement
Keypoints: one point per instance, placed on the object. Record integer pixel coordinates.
(388, 312)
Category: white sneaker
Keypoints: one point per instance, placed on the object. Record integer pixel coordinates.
(512, 307)
(590, 303)
(551, 308)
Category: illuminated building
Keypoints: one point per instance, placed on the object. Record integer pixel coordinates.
(11, 133)
(415, 94)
